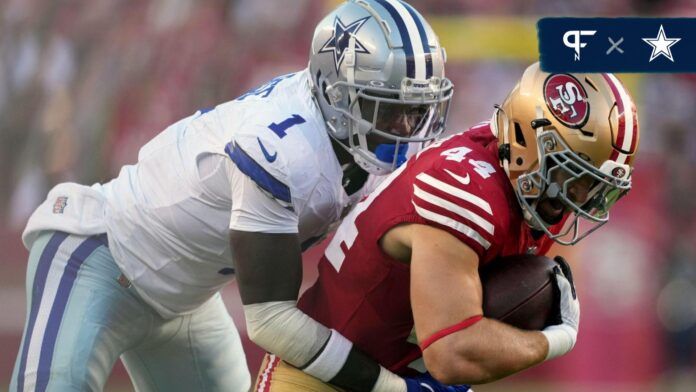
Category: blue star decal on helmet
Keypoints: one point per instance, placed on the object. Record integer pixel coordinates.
(339, 41)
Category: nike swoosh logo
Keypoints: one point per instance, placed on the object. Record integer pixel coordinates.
(464, 180)
(269, 157)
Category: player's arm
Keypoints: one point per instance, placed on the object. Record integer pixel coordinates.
(268, 262)
(463, 215)
(446, 290)
(446, 298)
(269, 272)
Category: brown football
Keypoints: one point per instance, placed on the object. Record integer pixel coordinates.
(519, 290)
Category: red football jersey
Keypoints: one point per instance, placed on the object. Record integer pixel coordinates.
(457, 185)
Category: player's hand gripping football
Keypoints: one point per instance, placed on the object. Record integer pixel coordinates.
(563, 335)
(426, 383)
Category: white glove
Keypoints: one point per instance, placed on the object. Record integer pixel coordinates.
(562, 336)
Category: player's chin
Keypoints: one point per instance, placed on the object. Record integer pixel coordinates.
(374, 140)
(551, 211)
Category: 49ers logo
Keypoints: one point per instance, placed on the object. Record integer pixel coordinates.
(567, 100)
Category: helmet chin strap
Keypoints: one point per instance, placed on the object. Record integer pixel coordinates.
(539, 129)
(529, 219)
(534, 223)
(349, 60)
(527, 215)
(506, 136)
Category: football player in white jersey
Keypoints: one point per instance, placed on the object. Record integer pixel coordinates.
(133, 268)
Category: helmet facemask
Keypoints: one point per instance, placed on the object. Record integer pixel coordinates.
(382, 121)
(568, 181)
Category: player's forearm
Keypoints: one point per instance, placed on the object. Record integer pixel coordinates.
(487, 351)
(269, 272)
(284, 330)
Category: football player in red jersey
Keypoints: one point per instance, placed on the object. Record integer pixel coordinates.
(400, 277)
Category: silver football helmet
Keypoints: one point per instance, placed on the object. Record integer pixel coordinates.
(379, 78)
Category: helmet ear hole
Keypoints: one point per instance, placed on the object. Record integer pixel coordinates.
(519, 161)
(323, 90)
(519, 136)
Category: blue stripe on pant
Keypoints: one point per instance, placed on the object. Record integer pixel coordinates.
(80, 320)
(54, 319)
(37, 293)
(49, 307)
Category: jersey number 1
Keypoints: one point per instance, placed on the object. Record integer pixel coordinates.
(280, 128)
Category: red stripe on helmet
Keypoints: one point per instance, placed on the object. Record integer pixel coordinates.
(635, 128)
(614, 155)
(622, 118)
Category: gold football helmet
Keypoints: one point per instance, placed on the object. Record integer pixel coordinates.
(567, 142)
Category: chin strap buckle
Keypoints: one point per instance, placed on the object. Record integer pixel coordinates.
(504, 152)
(540, 122)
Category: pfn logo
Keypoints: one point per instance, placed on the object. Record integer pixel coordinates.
(576, 43)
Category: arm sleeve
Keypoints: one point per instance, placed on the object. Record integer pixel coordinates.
(283, 329)
(255, 210)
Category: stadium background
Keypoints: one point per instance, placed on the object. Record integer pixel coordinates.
(83, 84)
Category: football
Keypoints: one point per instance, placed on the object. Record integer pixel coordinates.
(520, 291)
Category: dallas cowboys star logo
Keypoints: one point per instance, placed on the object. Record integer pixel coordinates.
(661, 44)
(338, 43)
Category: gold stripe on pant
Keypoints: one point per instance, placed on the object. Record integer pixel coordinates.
(276, 375)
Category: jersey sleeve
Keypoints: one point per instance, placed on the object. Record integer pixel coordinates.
(262, 197)
(256, 155)
(256, 210)
(269, 146)
(460, 202)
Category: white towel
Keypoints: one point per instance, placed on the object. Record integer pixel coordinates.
(69, 207)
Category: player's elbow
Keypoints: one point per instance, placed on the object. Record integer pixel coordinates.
(450, 367)
(254, 333)
(263, 320)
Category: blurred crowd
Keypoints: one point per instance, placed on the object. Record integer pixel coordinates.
(83, 84)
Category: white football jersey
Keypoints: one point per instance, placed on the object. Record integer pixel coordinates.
(261, 163)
